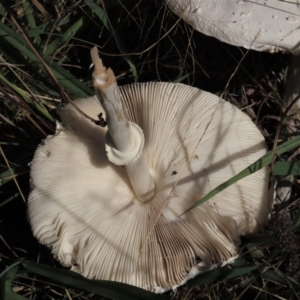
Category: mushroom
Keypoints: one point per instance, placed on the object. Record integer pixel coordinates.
(262, 25)
(109, 201)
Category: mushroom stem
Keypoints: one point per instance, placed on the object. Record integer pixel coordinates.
(127, 137)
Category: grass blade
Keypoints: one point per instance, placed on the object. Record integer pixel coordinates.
(73, 85)
(13, 197)
(31, 20)
(64, 37)
(6, 277)
(259, 164)
(221, 274)
(278, 277)
(25, 96)
(105, 288)
(283, 168)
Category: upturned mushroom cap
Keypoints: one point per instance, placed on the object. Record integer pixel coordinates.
(263, 25)
(83, 207)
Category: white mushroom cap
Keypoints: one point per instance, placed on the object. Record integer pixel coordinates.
(83, 207)
(260, 25)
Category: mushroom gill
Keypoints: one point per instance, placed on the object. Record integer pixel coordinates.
(83, 207)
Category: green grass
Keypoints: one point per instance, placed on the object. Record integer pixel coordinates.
(47, 61)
